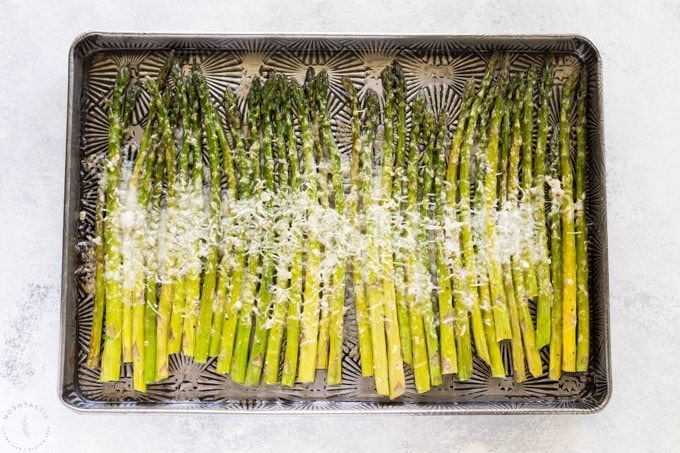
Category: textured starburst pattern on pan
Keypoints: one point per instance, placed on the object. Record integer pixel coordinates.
(441, 77)
(440, 66)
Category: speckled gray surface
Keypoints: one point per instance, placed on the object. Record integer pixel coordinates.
(637, 41)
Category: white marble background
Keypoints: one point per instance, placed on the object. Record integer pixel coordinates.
(638, 41)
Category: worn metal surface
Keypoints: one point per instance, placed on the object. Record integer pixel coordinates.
(440, 65)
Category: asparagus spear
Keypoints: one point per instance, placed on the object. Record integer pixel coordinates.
(264, 297)
(394, 350)
(324, 196)
(111, 356)
(151, 244)
(568, 232)
(288, 241)
(494, 266)
(321, 204)
(95, 344)
(249, 292)
(153, 214)
(128, 223)
(449, 358)
(463, 295)
(358, 283)
(194, 264)
(427, 179)
(337, 296)
(136, 205)
(581, 230)
(203, 328)
(374, 293)
(224, 270)
(501, 323)
(129, 275)
(245, 189)
(292, 315)
(518, 275)
(555, 364)
(527, 123)
(179, 304)
(399, 83)
(486, 112)
(310, 307)
(545, 290)
(169, 267)
(417, 279)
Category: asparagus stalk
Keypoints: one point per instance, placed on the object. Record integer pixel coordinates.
(449, 358)
(128, 223)
(153, 214)
(395, 361)
(323, 193)
(527, 123)
(337, 296)
(486, 113)
(151, 244)
(112, 353)
(264, 298)
(555, 364)
(516, 276)
(374, 293)
(463, 295)
(358, 283)
(194, 264)
(179, 304)
(310, 307)
(245, 189)
(224, 269)
(323, 190)
(169, 267)
(136, 205)
(251, 278)
(501, 322)
(95, 344)
(292, 314)
(545, 290)
(100, 296)
(399, 83)
(290, 361)
(582, 298)
(431, 338)
(494, 266)
(204, 326)
(417, 279)
(568, 233)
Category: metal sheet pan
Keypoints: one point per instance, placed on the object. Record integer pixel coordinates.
(232, 59)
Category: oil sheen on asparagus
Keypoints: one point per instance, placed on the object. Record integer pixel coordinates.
(236, 230)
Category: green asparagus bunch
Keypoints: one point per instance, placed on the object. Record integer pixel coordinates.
(231, 237)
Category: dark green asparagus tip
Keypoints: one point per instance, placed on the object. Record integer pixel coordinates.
(151, 86)
(322, 84)
(230, 103)
(310, 83)
(284, 89)
(388, 77)
(269, 90)
(349, 87)
(418, 106)
(429, 121)
(255, 92)
(493, 61)
(122, 81)
(131, 96)
(583, 86)
(372, 106)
